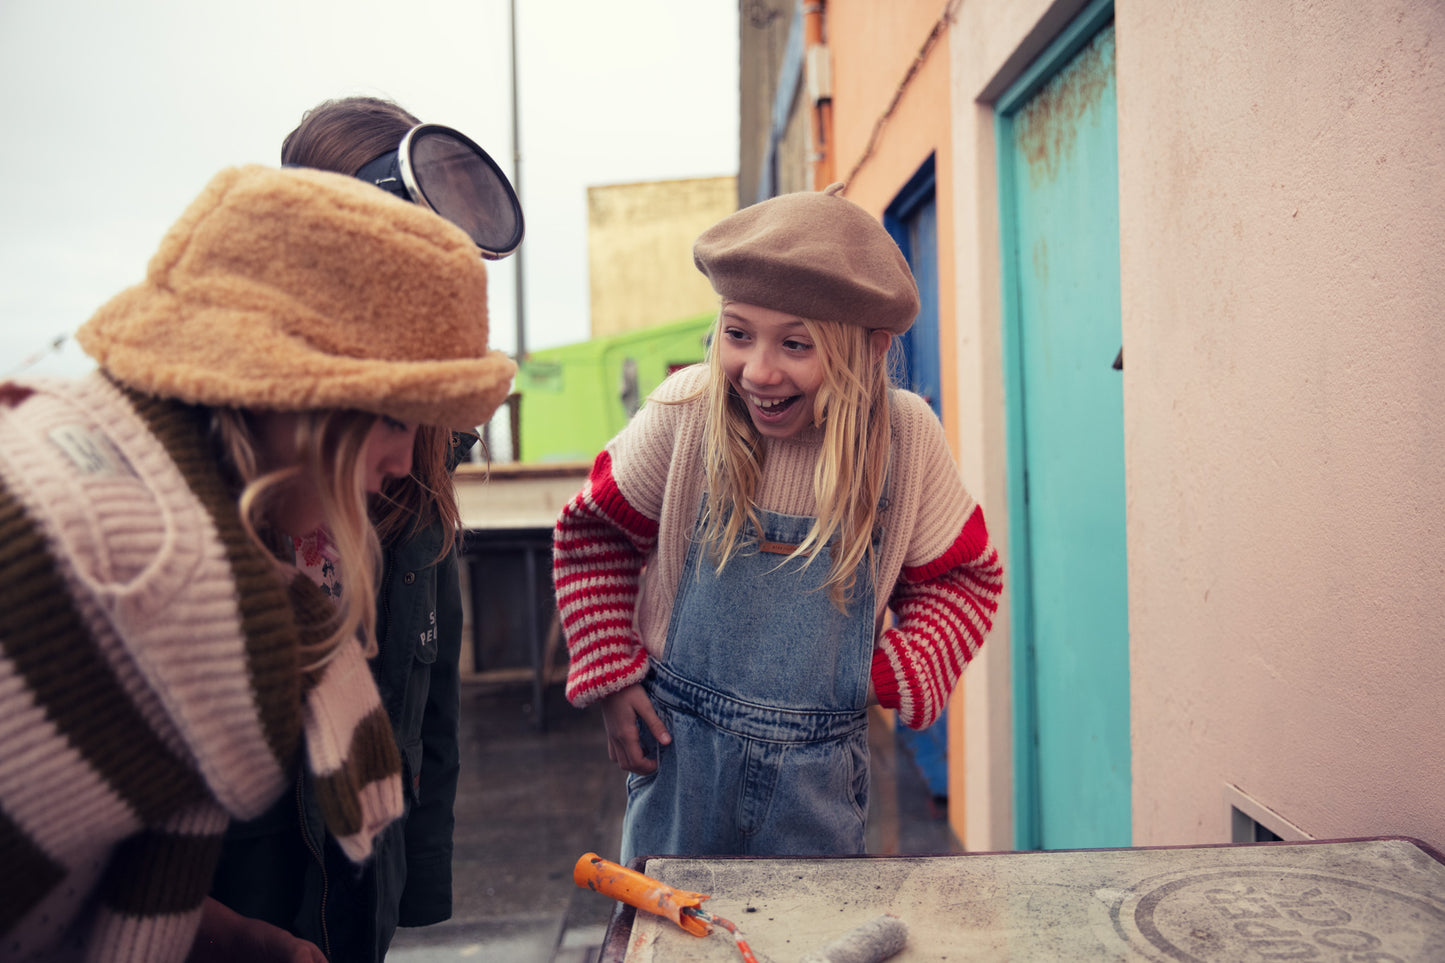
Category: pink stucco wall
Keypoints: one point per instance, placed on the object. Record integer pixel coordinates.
(1282, 198)
(1282, 202)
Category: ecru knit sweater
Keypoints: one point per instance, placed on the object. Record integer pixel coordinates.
(150, 682)
(620, 546)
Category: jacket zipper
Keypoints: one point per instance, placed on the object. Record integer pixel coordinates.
(320, 862)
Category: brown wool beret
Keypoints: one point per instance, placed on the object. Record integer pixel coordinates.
(299, 289)
(816, 255)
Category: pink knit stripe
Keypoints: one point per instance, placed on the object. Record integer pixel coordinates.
(579, 556)
(586, 687)
(193, 660)
(597, 562)
(948, 651)
(985, 577)
(380, 802)
(910, 684)
(152, 911)
(608, 627)
(605, 661)
(583, 596)
(940, 628)
(336, 706)
(119, 938)
(953, 614)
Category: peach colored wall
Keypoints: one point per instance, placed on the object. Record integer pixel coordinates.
(1282, 171)
(873, 48)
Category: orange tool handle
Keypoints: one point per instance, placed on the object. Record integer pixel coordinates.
(631, 887)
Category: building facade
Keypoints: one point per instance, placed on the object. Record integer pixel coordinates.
(1186, 263)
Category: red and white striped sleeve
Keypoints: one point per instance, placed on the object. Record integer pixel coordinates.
(942, 611)
(598, 550)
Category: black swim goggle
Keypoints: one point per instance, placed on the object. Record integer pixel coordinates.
(445, 171)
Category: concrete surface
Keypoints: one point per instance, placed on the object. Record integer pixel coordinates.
(530, 802)
(1355, 901)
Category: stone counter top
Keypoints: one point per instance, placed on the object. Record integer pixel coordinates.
(1361, 901)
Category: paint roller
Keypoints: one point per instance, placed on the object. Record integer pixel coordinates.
(873, 942)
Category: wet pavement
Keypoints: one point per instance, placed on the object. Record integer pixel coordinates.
(531, 801)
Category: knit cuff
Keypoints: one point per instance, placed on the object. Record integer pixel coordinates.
(885, 683)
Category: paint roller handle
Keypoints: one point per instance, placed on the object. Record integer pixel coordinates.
(633, 888)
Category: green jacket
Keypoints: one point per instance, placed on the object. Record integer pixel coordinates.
(282, 867)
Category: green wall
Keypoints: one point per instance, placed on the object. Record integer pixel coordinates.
(571, 396)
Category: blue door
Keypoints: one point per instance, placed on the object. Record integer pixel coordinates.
(1059, 211)
(912, 221)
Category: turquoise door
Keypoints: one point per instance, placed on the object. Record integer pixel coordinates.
(1059, 170)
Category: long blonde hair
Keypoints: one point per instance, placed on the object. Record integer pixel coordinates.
(851, 406)
(329, 446)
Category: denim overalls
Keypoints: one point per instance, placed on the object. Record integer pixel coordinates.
(763, 686)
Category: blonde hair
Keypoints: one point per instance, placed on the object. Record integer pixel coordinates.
(851, 407)
(329, 446)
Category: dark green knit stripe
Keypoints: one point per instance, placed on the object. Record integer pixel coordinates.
(29, 874)
(45, 638)
(371, 757)
(157, 873)
(266, 618)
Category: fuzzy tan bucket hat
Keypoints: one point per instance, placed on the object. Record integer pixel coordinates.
(300, 289)
(813, 254)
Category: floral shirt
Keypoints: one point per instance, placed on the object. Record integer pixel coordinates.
(316, 556)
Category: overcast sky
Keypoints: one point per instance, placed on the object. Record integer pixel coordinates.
(116, 114)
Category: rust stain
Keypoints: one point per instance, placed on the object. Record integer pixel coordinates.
(1044, 131)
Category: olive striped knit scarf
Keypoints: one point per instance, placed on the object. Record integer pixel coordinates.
(150, 687)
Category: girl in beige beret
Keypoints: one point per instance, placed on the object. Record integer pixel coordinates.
(724, 576)
(187, 561)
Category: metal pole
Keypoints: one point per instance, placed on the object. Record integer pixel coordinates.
(517, 186)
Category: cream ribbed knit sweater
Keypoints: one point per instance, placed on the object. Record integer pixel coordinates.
(621, 544)
(149, 678)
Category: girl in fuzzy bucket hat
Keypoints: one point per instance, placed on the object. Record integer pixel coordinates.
(169, 655)
(724, 575)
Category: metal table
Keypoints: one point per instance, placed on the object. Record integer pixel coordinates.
(1359, 901)
(510, 510)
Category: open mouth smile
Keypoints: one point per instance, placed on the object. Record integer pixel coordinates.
(772, 409)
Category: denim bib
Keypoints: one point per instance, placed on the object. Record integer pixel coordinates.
(763, 686)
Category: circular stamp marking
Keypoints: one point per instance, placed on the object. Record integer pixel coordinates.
(1267, 914)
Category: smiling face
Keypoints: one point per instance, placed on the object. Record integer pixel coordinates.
(770, 359)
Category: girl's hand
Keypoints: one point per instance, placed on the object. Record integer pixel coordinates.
(621, 713)
(226, 935)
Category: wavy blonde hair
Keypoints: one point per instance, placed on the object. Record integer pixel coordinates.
(851, 407)
(328, 446)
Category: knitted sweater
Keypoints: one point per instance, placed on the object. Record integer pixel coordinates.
(621, 543)
(150, 687)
